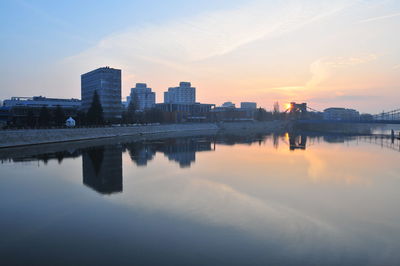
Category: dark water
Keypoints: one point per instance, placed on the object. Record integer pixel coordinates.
(291, 199)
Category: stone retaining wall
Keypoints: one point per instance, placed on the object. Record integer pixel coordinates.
(12, 138)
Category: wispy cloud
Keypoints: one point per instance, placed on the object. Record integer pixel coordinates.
(380, 17)
(323, 68)
(335, 97)
(192, 39)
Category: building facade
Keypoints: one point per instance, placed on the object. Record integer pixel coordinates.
(248, 105)
(336, 113)
(228, 105)
(40, 101)
(184, 94)
(143, 97)
(179, 112)
(21, 111)
(107, 82)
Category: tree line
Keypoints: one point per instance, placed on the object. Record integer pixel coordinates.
(131, 115)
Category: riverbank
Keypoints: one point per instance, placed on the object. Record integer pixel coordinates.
(333, 127)
(16, 138)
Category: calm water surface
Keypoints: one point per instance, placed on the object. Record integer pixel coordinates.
(211, 200)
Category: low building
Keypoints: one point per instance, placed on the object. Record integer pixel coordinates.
(5, 116)
(227, 114)
(178, 112)
(18, 111)
(336, 113)
(248, 105)
(40, 101)
(228, 105)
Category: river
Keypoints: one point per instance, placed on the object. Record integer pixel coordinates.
(283, 199)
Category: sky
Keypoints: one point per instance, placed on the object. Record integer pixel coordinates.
(328, 53)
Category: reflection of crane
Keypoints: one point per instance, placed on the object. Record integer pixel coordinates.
(297, 142)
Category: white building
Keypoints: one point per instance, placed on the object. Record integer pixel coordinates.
(248, 105)
(185, 94)
(335, 113)
(143, 96)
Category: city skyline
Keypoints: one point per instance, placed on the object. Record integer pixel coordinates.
(325, 53)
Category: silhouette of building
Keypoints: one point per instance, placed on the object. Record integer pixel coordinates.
(184, 94)
(18, 110)
(179, 112)
(107, 82)
(228, 112)
(248, 105)
(102, 169)
(40, 101)
(336, 113)
(228, 105)
(143, 97)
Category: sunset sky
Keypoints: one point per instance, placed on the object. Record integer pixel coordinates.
(340, 53)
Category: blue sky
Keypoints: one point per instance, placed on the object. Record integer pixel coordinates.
(54, 29)
(328, 53)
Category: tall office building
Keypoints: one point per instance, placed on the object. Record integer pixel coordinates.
(107, 82)
(144, 98)
(184, 94)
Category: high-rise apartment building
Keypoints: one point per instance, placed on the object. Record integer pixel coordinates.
(184, 94)
(107, 82)
(143, 97)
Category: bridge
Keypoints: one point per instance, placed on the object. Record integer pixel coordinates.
(393, 115)
(304, 113)
(300, 141)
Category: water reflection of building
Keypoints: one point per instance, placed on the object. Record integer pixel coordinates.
(102, 168)
(184, 151)
(140, 153)
(46, 157)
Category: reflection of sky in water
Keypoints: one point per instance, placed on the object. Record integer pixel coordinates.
(256, 202)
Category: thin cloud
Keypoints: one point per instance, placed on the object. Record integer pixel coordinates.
(323, 68)
(193, 39)
(380, 18)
